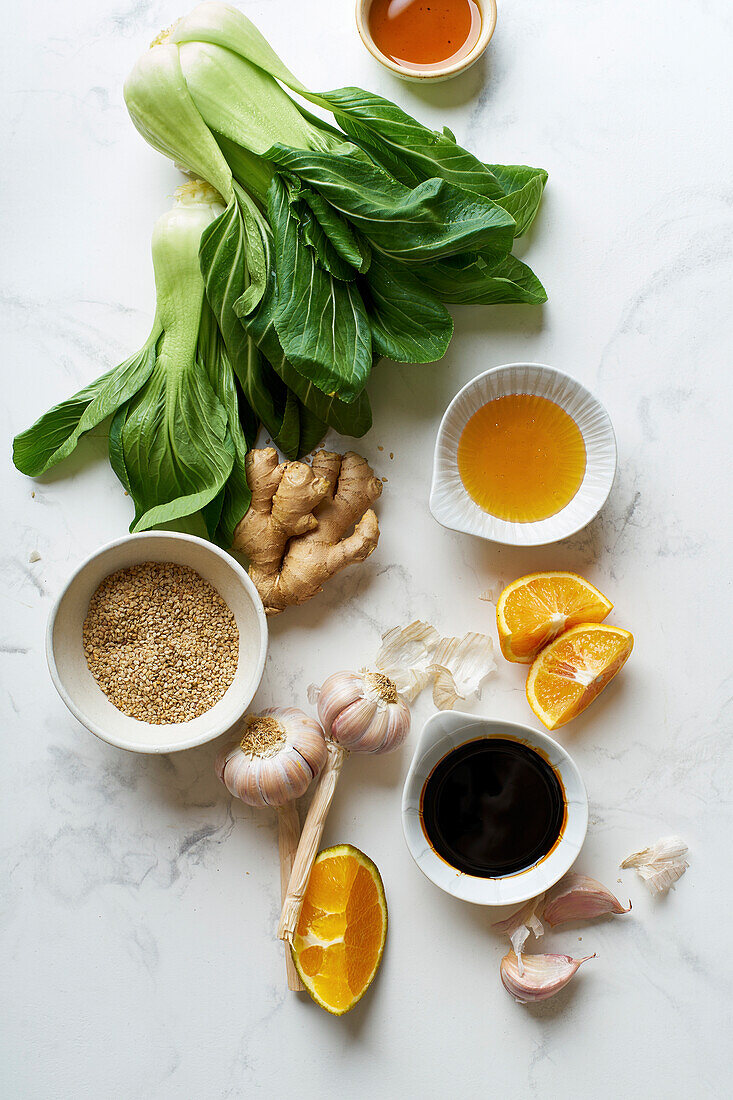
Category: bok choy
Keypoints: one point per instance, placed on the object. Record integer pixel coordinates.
(179, 431)
(340, 243)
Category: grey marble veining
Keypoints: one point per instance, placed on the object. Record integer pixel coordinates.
(137, 901)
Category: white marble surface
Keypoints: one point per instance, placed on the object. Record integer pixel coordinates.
(138, 902)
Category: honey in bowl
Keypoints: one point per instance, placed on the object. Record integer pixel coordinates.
(521, 458)
(493, 807)
(421, 34)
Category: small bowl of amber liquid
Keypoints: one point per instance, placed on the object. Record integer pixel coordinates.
(426, 40)
(493, 812)
(525, 455)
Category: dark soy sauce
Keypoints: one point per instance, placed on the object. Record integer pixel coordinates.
(493, 807)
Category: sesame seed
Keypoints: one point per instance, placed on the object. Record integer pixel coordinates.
(161, 642)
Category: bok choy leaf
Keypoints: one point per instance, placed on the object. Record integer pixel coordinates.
(320, 320)
(180, 427)
(409, 323)
(55, 435)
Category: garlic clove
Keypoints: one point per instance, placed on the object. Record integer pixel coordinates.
(353, 722)
(542, 977)
(520, 924)
(374, 735)
(312, 747)
(579, 897)
(662, 864)
(398, 726)
(303, 734)
(231, 770)
(250, 781)
(339, 691)
(284, 777)
(388, 728)
(239, 774)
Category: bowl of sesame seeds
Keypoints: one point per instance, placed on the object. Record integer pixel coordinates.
(157, 642)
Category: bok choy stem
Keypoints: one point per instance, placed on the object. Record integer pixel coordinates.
(180, 427)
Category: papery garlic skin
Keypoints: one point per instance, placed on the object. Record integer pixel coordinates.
(662, 864)
(279, 753)
(363, 712)
(520, 924)
(413, 655)
(459, 667)
(579, 897)
(541, 978)
(405, 656)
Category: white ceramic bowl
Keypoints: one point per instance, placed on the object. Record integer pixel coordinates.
(447, 731)
(440, 71)
(453, 507)
(81, 692)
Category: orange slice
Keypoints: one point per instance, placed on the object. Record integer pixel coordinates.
(535, 609)
(339, 941)
(571, 671)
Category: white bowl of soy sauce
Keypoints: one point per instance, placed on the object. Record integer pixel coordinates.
(493, 812)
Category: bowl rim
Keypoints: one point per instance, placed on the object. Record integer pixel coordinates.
(129, 745)
(488, 26)
(472, 888)
(475, 381)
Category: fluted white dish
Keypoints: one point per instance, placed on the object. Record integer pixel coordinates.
(453, 507)
(80, 691)
(447, 731)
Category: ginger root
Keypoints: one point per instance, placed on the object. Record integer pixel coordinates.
(295, 533)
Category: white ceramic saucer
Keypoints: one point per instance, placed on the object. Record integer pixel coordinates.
(448, 730)
(450, 503)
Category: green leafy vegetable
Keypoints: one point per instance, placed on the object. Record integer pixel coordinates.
(178, 453)
(381, 190)
(354, 418)
(409, 323)
(180, 429)
(482, 278)
(407, 149)
(55, 435)
(320, 321)
(223, 251)
(427, 222)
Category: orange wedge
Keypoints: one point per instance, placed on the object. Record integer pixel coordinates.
(535, 609)
(571, 671)
(339, 941)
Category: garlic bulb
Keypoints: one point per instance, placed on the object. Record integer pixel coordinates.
(280, 752)
(579, 897)
(542, 976)
(363, 712)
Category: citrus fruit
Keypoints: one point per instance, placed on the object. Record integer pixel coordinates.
(536, 608)
(338, 944)
(571, 671)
